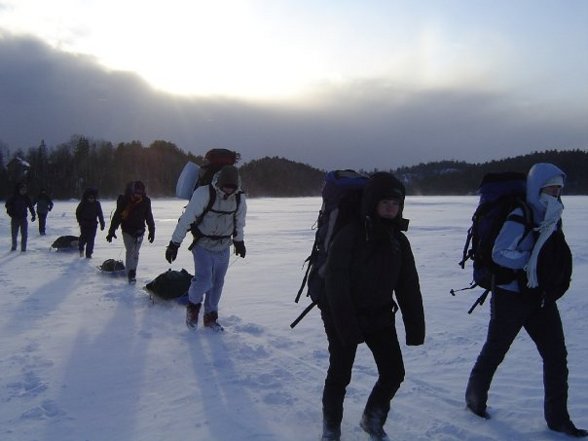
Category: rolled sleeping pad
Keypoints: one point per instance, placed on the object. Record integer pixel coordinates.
(187, 181)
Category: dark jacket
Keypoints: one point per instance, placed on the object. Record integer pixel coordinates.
(371, 272)
(44, 203)
(17, 205)
(89, 213)
(132, 216)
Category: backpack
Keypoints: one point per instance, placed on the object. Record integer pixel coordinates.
(341, 203)
(214, 160)
(65, 243)
(170, 284)
(500, 194)
(194, 176)
(112, 266)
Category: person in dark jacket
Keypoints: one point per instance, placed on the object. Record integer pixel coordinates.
(16, 207)
(370, 272)
(523, 303)
(88, 214)
(133, 211)
(44, 206)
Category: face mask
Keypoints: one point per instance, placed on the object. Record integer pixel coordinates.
(546, 199)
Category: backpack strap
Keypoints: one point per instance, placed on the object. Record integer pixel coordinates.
(211, 200)
(526, 219)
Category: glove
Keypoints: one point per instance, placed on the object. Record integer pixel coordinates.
(110, 236)
(239, 248)
(101, 227)
(151, 237)
(171, 252)
(33, 218)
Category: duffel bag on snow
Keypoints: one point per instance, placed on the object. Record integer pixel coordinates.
(112, 265)
(66, 243)
(170, 284)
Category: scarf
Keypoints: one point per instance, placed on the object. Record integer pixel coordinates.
(130, 207)
(553, 211)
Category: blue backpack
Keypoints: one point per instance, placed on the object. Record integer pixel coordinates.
(341, 202)
(500, 194)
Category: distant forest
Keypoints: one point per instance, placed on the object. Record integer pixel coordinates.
(67, 169)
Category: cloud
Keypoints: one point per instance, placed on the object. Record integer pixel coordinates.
(364, 123)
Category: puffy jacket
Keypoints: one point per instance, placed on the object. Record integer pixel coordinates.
(88, 214)
(514, 243)
(225, 220)
(132, 216)
(17, 205)
(44, 203)
(370, 272)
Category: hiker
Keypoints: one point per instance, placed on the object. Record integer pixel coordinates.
(88, 214)
(44, 206)
(370, 259)
(519, 304)
(133, 211)
(217, 227)
(16, 207)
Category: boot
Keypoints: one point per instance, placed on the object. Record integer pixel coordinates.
(569, 429)
(331, 431)
(476, 396)
(210, 321)
(192, 310)
(132, 276)
(372, 422)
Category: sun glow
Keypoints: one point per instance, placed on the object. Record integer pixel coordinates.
(188, 47)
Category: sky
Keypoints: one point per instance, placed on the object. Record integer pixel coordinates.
(331, 83)
(86, 356)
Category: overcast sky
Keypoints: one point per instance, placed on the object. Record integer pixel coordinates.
(363, 83)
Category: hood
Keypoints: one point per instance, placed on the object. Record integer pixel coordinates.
(228, 175)
(380, 186)
(90, 192)
(537, 177)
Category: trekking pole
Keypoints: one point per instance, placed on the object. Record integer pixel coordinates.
(302, 315)
(479, 301)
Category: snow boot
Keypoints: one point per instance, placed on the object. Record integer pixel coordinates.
(210, 321)
(476, 396)
(132, 276)
(192, 311)
(569, 429)
(372, 422)
(331, 431)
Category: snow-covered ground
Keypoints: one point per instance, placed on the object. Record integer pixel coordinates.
(85, 356)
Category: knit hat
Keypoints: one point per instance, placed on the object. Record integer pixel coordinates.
(383, 186)
(228, 177)
(554, 180)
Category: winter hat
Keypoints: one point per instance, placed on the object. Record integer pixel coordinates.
(379, 187)
(555, 180)
(228, 177)
(135, 187)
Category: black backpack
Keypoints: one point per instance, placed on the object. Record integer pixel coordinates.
(65, 243)
(341, 202)
(500, 194)
(112, 266)
(170, 284)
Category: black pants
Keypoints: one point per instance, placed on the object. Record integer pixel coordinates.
(19, 223)
(509, 313)
(87, 236)
(42, 222)
(386, 351)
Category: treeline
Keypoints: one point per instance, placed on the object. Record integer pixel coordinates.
(459, 178)
(67, 169)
